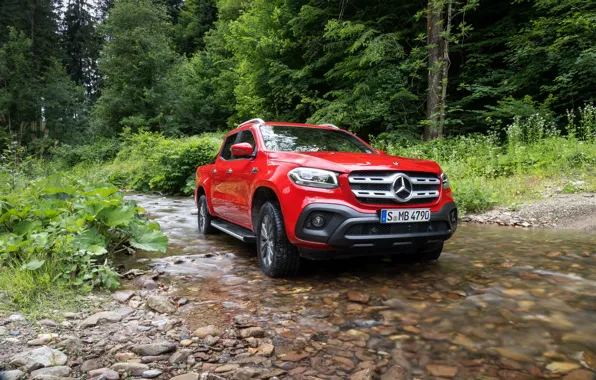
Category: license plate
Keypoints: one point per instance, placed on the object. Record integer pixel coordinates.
(405, 216)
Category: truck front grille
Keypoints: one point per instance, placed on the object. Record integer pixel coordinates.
(375, 229)
(378, 187)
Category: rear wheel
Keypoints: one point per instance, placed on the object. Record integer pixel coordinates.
(277, 256)
(205, 218)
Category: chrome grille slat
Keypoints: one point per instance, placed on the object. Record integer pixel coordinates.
(369, 187)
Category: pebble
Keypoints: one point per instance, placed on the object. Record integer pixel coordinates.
(91, 364)
(203, 332)
(185, 342)
(106, 316)
(12, 375)
(152, 373)
(3, 331)
(358, 296)
(186, 376)
(255, 332)
(226, 368)
(160, 304)
(123, 296)
(39, 358)
(48, 323)
(16, 318)
(107, 373)
(153, 349)
(440, 370)
(58, 371)
(136, 369)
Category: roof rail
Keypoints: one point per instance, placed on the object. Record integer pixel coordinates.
(329, 125)
(257, 120)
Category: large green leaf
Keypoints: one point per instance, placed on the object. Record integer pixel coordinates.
(102, 191)
(146, 238)
(26, 227)
(34, 264)
(116, 216)
(88, 240)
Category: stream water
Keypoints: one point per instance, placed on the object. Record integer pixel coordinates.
(501, 302)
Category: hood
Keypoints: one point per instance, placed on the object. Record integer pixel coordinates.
(348, 162)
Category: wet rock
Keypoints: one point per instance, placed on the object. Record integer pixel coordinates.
(39, 358)
(106, 316)
(514, 375)
(203, 332)
(344, 363)
(107, 373)
(185, 342)
(153, 349)
(358, 296)
(160, 304)
(186, 376)
(153, 359)
(146, 282)
(294, 356)
(13, 375)
(179, 356)
(395, 372)
(581, 374)
(152, 373)
(227, 368)
(513, 354)
(255, 332)
(365, 374)
(439, 370)
(48, 323)
(91, 364)
(135, 369)
(59, 371)
(562, 367)
(211, 340)
(123, 296)
(42, 339)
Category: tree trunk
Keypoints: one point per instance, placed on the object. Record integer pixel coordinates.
(434, 26)
(445, 65)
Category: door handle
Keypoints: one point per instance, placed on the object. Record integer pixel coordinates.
(213, 171)
(229, 171)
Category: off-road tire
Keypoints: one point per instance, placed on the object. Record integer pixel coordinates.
(204, 218)
(277, 256)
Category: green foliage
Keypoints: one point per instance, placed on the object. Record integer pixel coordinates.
(149, 161)
(102, 150)
(484, 172)
(56, 232)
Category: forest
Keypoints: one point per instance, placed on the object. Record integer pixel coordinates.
(72, 71)
(102, 95)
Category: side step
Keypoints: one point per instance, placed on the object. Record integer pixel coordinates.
(234, 230)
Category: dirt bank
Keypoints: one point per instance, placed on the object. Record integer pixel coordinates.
(563, 211)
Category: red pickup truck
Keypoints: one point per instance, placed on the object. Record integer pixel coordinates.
(318, 192)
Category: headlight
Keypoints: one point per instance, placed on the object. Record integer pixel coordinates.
(314, 178)
(445, 181)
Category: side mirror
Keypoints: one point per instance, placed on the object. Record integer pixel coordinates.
(382, 152)
(242, 150)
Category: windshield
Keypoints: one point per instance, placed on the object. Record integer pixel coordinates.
(301, 139)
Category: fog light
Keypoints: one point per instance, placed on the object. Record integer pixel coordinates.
(318, 221)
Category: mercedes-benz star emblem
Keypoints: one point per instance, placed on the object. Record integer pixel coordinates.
(402, 186)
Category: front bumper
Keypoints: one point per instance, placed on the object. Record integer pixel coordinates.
(348, 229)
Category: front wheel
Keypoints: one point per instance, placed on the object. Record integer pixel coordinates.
(277, 256)
(205, 218)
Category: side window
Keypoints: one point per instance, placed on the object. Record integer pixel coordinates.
(226, 152)
(248, 137)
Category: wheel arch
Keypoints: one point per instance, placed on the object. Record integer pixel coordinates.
(261, 194)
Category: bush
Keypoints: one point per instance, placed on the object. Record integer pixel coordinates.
(101, 151)
(151, 162)
(63, 233)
